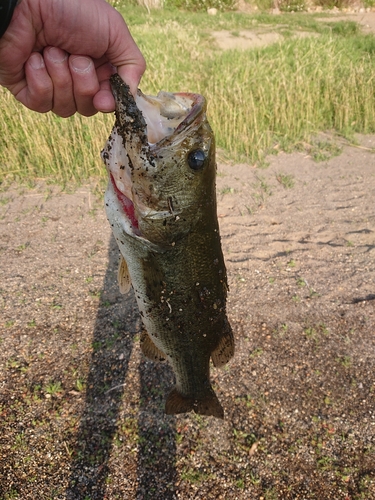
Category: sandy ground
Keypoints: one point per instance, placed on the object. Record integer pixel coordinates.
(81, 411)
(259, 36)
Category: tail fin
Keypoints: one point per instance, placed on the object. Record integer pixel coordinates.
(208, 405)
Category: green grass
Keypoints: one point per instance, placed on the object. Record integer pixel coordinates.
(288, 182)
(277, 96)
(45, 146)
(53, 388)
(324, 150)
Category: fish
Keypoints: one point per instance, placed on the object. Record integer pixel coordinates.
(161, 205)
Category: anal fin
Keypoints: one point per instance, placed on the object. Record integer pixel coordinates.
(123, 276)
(149, 349)
(224, 351)
(207, 405)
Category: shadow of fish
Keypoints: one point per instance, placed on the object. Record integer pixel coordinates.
(161, 204)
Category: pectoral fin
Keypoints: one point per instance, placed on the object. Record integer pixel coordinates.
(149, 349)
(207, 405)
(123, 276)
(224, 351)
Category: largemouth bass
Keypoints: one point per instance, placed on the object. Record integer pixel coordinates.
(161, 204)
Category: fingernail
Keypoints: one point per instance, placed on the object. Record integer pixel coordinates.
(56, 55)
(80, 64)
(36, 61)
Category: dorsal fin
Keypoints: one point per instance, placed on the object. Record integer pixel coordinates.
(123, 276)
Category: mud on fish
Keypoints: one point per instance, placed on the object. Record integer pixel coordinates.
(161, 204)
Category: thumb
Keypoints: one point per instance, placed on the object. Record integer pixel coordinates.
(125, 55)
(132, 73)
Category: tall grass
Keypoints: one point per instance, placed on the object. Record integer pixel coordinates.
(283, 94)
(280, 94)
(46, 146)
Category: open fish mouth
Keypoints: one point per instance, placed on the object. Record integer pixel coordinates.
(163, 120)
(168, 114)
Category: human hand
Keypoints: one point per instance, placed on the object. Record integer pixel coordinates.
(59, 55)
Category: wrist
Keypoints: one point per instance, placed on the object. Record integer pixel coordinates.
(6, 12)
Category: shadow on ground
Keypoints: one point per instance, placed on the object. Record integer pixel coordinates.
(113, 340)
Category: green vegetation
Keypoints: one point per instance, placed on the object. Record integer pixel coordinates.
(324, 150)
(292, 5)
(53, 388)
(194, 475)
(46, 146)
(286, 180)
(259, 100)
(197, 5)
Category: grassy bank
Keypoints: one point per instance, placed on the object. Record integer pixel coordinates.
(258, 99)
(47, 146)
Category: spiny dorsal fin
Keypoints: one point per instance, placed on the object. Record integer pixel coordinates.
(207, 405)
(224, 351)
(123, 276)
(149, 349)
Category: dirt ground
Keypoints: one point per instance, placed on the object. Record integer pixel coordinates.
(81, 410)
(259, 36)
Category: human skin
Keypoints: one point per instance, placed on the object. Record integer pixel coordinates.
(59, 54)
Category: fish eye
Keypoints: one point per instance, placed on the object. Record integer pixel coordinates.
(196, 159)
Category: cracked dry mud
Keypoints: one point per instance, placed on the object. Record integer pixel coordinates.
(81, 409)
